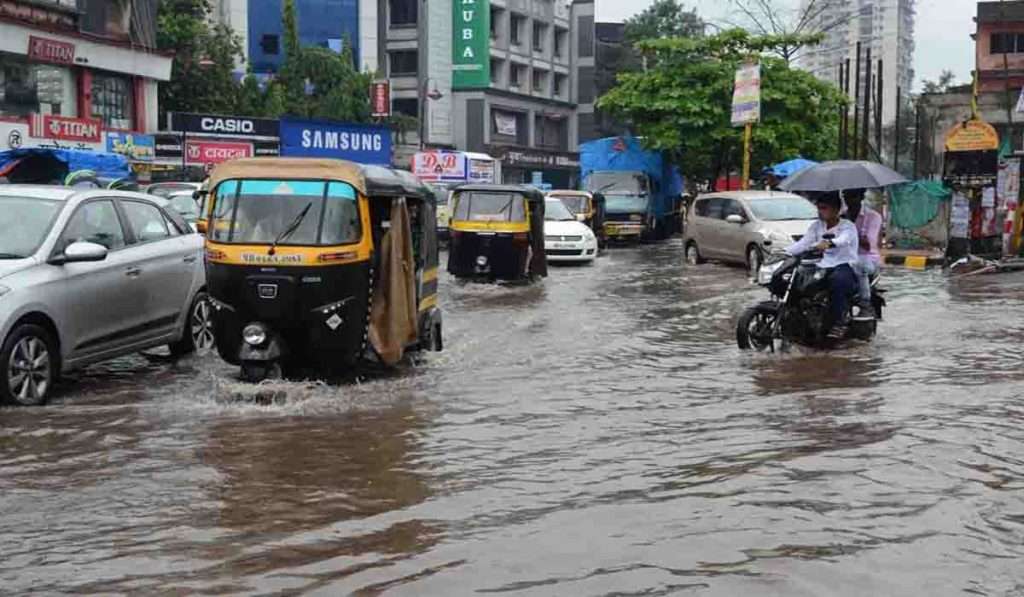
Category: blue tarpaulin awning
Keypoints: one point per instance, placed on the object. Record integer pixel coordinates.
(789, 168)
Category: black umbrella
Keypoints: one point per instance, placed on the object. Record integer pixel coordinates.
(841, 175)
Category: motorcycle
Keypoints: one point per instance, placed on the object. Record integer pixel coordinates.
(799, 309)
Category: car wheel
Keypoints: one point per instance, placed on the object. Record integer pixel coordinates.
(29, 358)
(198, 336)
(436, 339)
(754, 260)
(255, 372)
(693, 254)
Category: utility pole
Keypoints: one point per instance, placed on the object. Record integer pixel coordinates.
(917, 139)
(896, 135)
(879, 102)
(865, 134)
(846, 112)
(856, 107)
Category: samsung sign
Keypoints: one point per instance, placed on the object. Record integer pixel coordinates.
(362, 143)
(219, 124)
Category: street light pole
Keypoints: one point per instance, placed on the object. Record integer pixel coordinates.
(434, 94)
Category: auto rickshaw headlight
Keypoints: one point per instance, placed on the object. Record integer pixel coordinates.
(254, 334)
(481, 260)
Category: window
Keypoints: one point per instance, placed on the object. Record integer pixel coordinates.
(260, 211)
(1006, 43)
(496, 23)
(407, 106)
(559, 85)
(25, 225)
(517, 34)
(560, 36)
(515, 75)
(404, 13)
(496, 67)
(404, 63)
(489, 207)
(113, 101)
(26, 88)
(711, 208)
(540, 81)
(95, 222)
(733, 208)
(270, 44)
(146, 221)
(539, 31)
(586, 36)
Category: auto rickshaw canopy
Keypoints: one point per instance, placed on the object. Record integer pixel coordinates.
(289, 169)
(388, 182)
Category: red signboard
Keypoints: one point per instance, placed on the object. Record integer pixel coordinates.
(380, 99)
(50, 50)
(215, 152)
(63, 128)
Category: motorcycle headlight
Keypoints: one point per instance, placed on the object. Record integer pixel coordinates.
(4, 290)
(481, 260)
(254, 334)
(764, 275)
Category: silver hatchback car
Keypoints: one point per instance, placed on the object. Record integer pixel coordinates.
(90, 275)
(744, 226)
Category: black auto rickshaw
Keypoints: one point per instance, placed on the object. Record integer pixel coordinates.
(497, 233)
(588, 208)
(319, 264)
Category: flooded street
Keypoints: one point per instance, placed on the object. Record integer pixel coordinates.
(597, 434)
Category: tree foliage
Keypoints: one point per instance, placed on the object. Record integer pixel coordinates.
(941, 85)
(204, 58)
(682, 104)
(664, 18)
(812, 19)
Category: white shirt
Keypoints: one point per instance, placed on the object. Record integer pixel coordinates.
(846, 243)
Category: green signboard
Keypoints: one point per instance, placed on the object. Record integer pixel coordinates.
(471, 54)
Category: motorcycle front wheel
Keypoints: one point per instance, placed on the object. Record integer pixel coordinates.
(754, 328)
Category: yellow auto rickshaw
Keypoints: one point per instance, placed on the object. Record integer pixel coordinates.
(588, 208)
(319, 264)
(497, 233)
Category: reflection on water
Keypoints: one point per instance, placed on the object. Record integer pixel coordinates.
(594, 434)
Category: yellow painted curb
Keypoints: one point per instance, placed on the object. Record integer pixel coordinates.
(916, 262)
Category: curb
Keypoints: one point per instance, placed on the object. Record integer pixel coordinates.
(915, 261)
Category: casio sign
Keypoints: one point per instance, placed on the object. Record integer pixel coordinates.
(227, 125)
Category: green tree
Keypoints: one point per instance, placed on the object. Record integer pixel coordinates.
(290, 74)
(204, 59)
(664, 18)
(682, 104)
(946, 80)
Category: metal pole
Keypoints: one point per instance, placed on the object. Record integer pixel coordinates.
(896, 135)
(846, 112)
(865, 139)
(423, 113)
(184, 163)
(879, 102)
(747, 134)
(842, 110)
(856, 107)
(917, 139)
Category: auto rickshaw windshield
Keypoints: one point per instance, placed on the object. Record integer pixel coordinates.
(488, 206)
(322, 213)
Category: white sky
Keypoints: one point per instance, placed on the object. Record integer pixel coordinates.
(942, 30)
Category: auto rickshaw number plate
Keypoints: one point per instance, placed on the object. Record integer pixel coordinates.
(334, 321)
(267, 291)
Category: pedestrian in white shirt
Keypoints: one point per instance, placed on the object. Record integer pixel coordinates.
(840, 257)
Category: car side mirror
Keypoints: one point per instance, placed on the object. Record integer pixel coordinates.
(735, 219)
(81, 252)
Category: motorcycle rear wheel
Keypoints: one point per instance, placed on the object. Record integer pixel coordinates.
(754, 328)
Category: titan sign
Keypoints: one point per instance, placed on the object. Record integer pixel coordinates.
(471, 56)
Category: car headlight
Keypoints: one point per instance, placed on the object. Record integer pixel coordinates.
(254, 334)
(636, 218)
(589, 234)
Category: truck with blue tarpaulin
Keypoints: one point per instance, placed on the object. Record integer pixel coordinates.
(642, 189)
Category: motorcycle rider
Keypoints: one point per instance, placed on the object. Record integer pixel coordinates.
(869, 229)
(840, 256)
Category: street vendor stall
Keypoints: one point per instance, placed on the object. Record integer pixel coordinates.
(970, 170)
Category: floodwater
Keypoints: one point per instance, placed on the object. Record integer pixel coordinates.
(597, 434)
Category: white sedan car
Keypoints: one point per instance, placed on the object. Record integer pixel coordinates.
(566, 238)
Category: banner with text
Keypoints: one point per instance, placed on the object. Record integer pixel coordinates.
(471, 41)
(746, 97)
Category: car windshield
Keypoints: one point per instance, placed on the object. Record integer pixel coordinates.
(576, 203)
(25, 224)
(777, 209)
(184, 204)
(490, 206)
(623, 203)
(556, 211)
(258, 212)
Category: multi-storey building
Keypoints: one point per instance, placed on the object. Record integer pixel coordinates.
(886, 27)
(999, 46)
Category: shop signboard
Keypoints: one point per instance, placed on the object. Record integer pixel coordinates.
(361, 143)
(63, 128)
(440, 166)
(481, 171)
(214, 152)
(471, 41)
(380, 99)
(220, 124)
(972, 135)
(136, 147)
(43, 49)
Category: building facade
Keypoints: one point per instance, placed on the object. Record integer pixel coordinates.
(73, 74)
(999, 46)
(884, 26)
(325, 23)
